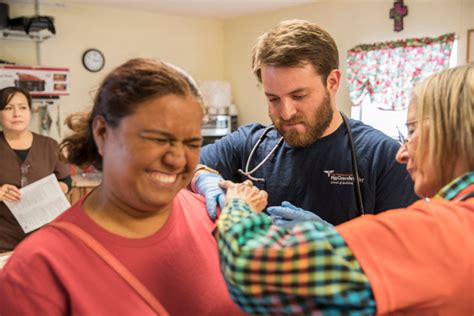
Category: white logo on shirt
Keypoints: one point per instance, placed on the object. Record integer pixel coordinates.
(341, 178)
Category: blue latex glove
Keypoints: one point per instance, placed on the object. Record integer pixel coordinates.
(207, 184)
(287, 215)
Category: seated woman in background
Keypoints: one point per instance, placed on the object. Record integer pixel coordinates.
(413, 261)
(144, 134)
(26, 157)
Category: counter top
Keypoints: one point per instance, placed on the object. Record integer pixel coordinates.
(80, 181)
(4, 257)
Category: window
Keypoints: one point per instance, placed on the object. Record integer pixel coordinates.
(382, 116)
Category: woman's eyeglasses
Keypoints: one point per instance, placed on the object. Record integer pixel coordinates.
(405, 131)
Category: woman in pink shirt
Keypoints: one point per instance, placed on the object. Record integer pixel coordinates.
(144, 134)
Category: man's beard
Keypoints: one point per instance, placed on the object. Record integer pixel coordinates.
(315, 125)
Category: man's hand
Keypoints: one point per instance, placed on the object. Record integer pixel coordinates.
(207, 184)
(287, 215)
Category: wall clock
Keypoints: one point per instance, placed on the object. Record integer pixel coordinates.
(93, 60)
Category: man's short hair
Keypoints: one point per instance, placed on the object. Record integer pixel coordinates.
(294, 43)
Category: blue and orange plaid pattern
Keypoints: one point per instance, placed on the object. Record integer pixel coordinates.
(453, 189)
(309, 271)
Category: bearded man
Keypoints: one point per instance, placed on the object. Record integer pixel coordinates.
(306, 158)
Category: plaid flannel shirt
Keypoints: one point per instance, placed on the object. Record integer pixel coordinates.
(308, 270)
(457, 187)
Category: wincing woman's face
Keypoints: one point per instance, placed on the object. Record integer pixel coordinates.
(151, 154)
(421, 172)
(16, 115)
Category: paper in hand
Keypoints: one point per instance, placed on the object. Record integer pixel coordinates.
(41, 202)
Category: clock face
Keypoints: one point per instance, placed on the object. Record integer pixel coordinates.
(93, 60)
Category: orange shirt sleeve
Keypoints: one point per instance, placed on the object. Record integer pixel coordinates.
(416, 258)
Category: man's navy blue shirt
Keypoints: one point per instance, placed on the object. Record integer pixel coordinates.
(319, 178)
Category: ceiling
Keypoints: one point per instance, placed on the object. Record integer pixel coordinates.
(216, 9)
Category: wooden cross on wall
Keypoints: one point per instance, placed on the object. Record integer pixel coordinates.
(397, 13)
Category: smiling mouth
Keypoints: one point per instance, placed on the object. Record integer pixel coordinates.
(163, 178)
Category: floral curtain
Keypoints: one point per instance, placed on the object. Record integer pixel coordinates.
(387, 71)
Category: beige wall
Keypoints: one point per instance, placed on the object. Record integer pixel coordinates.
(350, 23)
(215, 50)
(194, 44)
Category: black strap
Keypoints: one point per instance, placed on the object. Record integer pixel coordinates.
(355, 169)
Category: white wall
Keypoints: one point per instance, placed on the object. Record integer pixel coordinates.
(350, 23)
(194, 44)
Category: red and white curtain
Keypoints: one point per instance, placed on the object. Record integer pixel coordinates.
(388, 71)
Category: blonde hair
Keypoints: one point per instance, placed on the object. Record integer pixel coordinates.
(446, 101)
(294, 43)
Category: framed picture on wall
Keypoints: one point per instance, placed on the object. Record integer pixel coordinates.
(470, 46)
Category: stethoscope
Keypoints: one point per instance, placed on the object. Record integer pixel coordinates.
(358, 191)
(248, 173)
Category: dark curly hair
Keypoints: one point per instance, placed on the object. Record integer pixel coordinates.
(121, 92)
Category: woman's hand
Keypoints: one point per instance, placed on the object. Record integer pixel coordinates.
(63, 187)
(9, 193)
(256, 198)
